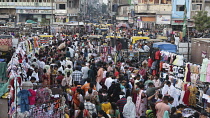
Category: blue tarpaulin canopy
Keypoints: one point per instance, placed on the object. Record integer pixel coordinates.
(166, 46)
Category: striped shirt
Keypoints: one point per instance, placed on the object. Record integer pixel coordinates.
(121, 103)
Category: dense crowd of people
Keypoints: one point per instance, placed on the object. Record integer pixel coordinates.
(105, 89)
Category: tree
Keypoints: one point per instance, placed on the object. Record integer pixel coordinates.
(44, 21)
(202, 21)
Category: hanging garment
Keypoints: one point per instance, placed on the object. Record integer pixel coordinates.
(3, 68)
(150, 61)
(181, 97)
(157, 55)
(179, 83)
(186, 94)
(43, 95)
(171, 59)
(24, 102)
(192, 100)
(178, 61)
(203, 70)
(194, 78)
(175, 94)
(208, 72)
(188, 79)
(161, 66)
(32, 98)
(141, 104)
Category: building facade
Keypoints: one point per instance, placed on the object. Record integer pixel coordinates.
(22, 10)
(178, 14)
(154, 14)
(52, 11)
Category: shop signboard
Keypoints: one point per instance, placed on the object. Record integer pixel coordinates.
(33, 11)
(163, 19)
(177, 22)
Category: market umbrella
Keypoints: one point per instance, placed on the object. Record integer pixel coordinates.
(31, 21)
(123, 25)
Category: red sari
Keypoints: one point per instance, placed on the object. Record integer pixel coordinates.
(186, 95)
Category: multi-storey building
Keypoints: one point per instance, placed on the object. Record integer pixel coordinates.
(178, 10)
(53, 11)
(153, 14)
(22, 10)
(146, 13)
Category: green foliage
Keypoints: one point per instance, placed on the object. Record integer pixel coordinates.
(44, 22)
(202, 21)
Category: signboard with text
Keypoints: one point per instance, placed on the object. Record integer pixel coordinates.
(163, 19)
(33, 11)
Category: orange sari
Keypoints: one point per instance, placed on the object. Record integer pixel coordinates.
(75, 100)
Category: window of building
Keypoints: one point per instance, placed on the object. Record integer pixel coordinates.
(143, 1)
(40, 0)
(124, 11)
(196, 7)
(197, 1)
(179, 7)
(71, 3)
(165, 1)
(156, 1)
(60, 6)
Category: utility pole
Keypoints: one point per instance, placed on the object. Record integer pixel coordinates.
(51, 16)
(85, 14)
(79, 15)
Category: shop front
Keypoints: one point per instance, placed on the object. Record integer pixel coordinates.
(33, 14)
(146, 22)
(178, 24)
(163, 21)
(60, 18)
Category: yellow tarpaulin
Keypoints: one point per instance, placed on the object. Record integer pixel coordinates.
(46, 35)
(136, 38)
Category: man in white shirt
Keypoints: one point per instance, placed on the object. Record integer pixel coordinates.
(67, 80)
(69, 62)
(84, 70)
(71, 50)
(60, 68)
(109, 79)
(146, 48)
(35, 74)
(42, 64)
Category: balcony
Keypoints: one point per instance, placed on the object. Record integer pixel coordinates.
(152, 8)
(24, 4)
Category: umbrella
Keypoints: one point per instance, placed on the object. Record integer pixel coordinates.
(30, 21)
(123, 25)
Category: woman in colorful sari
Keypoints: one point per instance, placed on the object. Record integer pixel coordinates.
(76, 99)
(141, 102)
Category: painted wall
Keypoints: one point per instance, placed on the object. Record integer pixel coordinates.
(180, 14)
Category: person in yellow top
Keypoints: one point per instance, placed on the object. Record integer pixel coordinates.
(180, 108)
(106, 106)
(66, 110)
